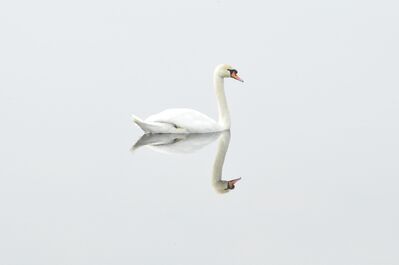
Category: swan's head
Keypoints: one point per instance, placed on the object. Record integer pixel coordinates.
(226, 71)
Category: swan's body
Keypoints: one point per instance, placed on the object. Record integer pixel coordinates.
(192, 121)
(178, 121)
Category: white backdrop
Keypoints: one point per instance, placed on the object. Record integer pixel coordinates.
(314, 132)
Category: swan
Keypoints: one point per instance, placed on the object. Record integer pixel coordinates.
(191, 121)
(188, 143)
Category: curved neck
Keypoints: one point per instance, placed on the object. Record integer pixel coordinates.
(218, 183)
(224, 115)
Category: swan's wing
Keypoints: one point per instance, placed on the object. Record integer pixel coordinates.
(191, 120)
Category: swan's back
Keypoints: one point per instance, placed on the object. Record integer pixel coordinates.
(190, 120)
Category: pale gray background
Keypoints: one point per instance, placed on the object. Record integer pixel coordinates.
(314, 136)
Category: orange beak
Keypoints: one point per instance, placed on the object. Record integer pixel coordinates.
(236, 77)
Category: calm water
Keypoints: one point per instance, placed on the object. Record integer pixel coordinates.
(314, 134)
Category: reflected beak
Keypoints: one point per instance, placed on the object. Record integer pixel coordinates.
(236, 77)
(234, 181)
(230, 183)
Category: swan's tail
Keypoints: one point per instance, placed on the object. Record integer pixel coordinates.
(155, 127)
(140, 123)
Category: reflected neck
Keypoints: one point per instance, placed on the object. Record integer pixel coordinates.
(224, 115)
(218, 183)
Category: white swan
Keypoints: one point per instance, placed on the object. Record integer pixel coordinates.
(192, 121)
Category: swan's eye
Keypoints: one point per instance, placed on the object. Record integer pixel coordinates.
(233, 71)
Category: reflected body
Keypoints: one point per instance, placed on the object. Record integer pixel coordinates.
(184, 120)
(188, 143)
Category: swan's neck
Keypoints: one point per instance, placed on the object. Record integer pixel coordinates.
(218, 183)
(224, 115)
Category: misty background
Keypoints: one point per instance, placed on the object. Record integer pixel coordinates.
(314, 132)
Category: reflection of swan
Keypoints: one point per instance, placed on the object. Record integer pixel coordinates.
(176, 143)
(192, 121)
(220, 185)
(187, 143)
